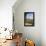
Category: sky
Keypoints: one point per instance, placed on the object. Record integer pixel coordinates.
(29, 16)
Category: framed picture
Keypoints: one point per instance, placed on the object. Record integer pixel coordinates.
(29, 18)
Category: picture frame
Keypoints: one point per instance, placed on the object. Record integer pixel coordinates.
(29, 18)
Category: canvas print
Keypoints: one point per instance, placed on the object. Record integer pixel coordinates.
(28, 18)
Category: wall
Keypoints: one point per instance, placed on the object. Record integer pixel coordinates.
(6, 13)
(43, 22)
(33, 33)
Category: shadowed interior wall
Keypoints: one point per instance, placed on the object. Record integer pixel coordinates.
(32, 33)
